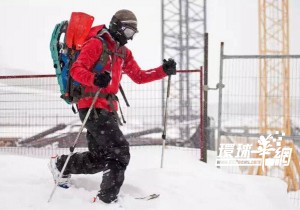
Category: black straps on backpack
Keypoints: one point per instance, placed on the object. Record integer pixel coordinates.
(77, 91)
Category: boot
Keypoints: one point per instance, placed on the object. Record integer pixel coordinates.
(65, 180)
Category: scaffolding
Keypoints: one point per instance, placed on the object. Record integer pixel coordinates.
(183, 29)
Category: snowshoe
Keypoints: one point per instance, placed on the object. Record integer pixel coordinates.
(64, 181)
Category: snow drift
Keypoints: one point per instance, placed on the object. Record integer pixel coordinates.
(183, 183)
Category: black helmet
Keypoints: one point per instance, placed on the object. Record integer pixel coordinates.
(123, 26)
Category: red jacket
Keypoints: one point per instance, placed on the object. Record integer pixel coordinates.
(82, 69)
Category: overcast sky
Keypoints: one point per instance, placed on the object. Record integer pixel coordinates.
(26, 27)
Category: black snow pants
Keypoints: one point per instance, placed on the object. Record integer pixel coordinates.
(108, 152)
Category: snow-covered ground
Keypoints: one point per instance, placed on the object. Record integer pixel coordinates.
(183, 183)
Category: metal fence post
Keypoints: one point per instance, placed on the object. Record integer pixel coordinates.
(204, 124)
(220, 97)
(203, 149)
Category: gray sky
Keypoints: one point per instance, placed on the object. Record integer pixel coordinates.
(26, 27)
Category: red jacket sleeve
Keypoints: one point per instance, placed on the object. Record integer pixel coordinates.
(81, 70)
(132, 69)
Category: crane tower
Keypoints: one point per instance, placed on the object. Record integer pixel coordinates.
(183, 28)
(274, 101)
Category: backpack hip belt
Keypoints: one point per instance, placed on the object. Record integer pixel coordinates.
(110, 98)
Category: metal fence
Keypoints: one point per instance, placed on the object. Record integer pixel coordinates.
(32, 112)
(254, 103)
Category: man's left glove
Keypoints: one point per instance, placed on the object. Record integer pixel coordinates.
(169, 66)
(102, 80)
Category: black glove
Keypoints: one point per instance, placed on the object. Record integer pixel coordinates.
(102, 80)
(169, 66)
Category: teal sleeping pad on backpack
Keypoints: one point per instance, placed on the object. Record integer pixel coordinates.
(66, 41)
(57, 48)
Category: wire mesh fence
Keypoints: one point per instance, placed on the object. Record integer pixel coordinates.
(32, 113)
(242, 94)
(259, 95)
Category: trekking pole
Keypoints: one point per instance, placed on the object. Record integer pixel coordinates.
(72, 148)
(124, 96)
(165, 122)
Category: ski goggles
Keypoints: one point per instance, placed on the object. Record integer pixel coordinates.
(129, 32)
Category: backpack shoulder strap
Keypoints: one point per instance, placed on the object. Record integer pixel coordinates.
(103, 57)
(122, 54)
(123, 49)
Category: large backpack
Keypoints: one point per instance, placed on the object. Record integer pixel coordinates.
(66, 42)
(67, 39)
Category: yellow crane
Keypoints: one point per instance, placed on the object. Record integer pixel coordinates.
(274, 101)
(274, 84)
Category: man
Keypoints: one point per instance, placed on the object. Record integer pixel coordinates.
(108, 150)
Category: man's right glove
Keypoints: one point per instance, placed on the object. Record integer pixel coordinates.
(169, 66)
(102, 80)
